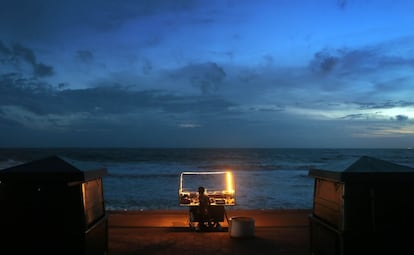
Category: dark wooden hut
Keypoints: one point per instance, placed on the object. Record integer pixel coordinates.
(53, 205)
(362, 206)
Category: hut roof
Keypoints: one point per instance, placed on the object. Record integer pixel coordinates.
(362, 169)
(52, 169)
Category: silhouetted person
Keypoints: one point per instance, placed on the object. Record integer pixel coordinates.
(204, 203)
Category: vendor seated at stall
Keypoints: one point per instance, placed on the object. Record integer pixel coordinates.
(203, 215)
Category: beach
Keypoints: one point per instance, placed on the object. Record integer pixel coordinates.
(273, 188)
(279, 231)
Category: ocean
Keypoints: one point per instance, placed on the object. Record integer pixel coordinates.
(148, 179)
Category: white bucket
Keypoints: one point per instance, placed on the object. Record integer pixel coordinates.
(241, 227)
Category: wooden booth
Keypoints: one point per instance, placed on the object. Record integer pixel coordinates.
(53, 205)
(362, 206)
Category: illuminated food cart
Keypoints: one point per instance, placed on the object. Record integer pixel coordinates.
(219, 187)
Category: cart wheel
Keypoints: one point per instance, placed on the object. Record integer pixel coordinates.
(191, 226)
(219, 227)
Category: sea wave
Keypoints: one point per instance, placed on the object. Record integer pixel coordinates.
(264, 178)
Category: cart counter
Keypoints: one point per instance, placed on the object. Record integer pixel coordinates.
(191, 199)
(219, 187)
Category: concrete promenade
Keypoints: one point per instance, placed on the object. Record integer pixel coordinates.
(168, 232)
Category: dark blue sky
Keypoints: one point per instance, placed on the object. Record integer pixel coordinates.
(194, 73)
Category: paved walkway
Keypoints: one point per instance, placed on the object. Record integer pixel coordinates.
(167, 232)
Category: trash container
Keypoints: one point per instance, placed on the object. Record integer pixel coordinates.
(241, 227)
(53, 205)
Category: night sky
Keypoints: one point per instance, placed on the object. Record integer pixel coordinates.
(198, 73)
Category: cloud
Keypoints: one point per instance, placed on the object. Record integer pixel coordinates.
(324, 61)
(393, 84)
(356, 116)
(146, 66)
(25, 19)
(32, 120)
(189, 125)
(401, 117)
(17, 55)
(85, 56)
(371, 58)
(257, 108)
(206, 76)
(4, 50)
(42, 70)
(342, 4)
(385, 104)
(29, 100)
